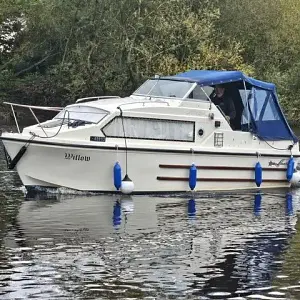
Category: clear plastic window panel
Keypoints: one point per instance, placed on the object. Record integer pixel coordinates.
(260, 109)
(256, 102)
(262, 105)
(164, 88)
(201, 93)
(271, 112)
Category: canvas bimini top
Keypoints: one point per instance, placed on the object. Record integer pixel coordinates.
(208, 77)
(264, 115)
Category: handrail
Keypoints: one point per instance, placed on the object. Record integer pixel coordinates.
(145, 102)
(95, 98)
(51, 108)
(30, 107)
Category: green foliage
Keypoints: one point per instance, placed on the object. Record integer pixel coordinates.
(66, 49)
(269, 31)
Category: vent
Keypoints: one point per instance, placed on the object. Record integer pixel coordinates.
(218, 139)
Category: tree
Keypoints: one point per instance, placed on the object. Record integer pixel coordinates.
(269, 32)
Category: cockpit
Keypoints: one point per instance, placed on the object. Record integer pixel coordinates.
(255, 102)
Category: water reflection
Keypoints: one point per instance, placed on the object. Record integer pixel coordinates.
(127, 204)
(123, 207)
(112, 247)
(257, 204)
(289, 204)
(192, 208)
(117, 214)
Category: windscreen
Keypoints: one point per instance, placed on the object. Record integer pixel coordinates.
(82, 113)
(164, 88)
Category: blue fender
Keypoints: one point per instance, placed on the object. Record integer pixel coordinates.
(290, 168)
(258, 174)
(117, 176)
(193, 177)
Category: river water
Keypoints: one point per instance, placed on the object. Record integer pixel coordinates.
(241, 245)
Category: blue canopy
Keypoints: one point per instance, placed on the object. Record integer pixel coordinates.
(207, 77)
(262, 111)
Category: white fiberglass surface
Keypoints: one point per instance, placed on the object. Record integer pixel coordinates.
(164, 88)
(82, 113)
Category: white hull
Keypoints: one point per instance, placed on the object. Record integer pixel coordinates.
(163, 134)
(85, 168)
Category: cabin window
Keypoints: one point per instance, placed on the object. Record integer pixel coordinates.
(151, 129)
(82, 113)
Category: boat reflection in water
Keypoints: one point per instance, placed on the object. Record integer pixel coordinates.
(289, 204)
(192, 208)
(100, 244)
(257, 204)
(123, 206)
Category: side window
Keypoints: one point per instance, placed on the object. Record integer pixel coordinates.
(261, 105)
(245, 96)
(150, 129)
(200, 93)
(271, 112)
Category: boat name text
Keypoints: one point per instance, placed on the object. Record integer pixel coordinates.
(282, 162)
(77, 157)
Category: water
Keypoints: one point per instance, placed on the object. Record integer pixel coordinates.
(211, 246)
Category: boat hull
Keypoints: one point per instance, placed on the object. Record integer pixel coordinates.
(87, 168)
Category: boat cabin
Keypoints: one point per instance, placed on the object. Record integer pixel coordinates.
(178, 108)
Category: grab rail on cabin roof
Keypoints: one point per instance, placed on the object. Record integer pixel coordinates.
(145, 102)
(87, 99)
(31, 107)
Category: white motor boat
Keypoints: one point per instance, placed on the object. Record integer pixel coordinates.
(168, 136)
